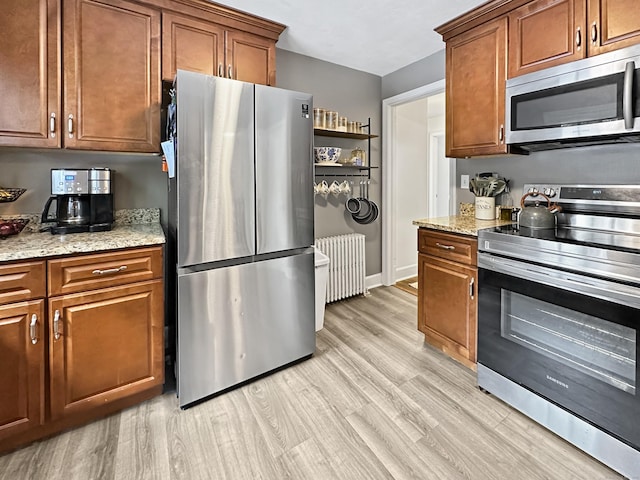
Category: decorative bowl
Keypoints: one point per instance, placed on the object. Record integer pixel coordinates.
(12, 227)
(327, 154)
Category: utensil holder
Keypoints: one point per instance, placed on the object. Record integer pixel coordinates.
(485, 208)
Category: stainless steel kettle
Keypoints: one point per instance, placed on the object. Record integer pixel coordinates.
(538, 216)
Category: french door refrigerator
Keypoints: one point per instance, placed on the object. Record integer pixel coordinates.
(240, 231)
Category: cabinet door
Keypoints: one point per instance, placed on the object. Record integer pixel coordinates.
(190, 44)
(476, 74)
(30, 73)
(105, 345)
(111, 76)
(22, 372)
(544, 33)
(250, 58)
(447, 307)
(612, 24)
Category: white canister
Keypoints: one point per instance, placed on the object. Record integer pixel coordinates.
(485, 208)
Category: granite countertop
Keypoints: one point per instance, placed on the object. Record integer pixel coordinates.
(462, 224)
(125, 234)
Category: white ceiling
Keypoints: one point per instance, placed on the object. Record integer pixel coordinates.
(375, 36)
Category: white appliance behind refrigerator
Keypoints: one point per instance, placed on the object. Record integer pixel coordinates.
(241, 217)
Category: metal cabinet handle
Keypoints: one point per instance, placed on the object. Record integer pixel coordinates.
(110, 270)
(56, 325)
(471, 287)
(70, 126)
(627, 95)
(220, 70)
(33, 329)
(594, 32)
(52, 124)
(445, 247)
(578, 37)
(229, 71)
(501, 134)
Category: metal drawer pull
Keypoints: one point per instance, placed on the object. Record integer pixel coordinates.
(52, 124)
(594, 32)
(33, 329)
(578, 37)
(229, 71)
(56, 325)
(70, 126)
(445, 247)
(471, 289)
(110, 270)
(220, 70)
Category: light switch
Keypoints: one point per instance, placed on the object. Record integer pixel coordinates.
(464, 181)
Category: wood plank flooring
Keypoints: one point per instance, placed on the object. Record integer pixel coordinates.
(374, 402)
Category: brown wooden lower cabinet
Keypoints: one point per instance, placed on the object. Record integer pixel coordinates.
(92, 353)
(108, 346)
(447, 301)
(21, 367)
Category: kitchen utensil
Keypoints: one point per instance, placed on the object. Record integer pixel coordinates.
(365, 204)
(538, 216)
(487, 186)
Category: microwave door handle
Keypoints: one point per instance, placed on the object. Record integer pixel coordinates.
(627, 99)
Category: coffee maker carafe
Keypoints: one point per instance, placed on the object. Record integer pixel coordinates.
(84, 200)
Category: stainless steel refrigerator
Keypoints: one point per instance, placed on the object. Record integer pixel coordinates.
(240, 231)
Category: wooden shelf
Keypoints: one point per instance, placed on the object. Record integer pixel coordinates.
(333, 133)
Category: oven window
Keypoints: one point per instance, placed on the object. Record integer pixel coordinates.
(601, 349)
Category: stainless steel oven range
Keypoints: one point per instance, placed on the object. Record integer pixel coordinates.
(559, 320)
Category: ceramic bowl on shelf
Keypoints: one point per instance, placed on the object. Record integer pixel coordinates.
(327, 154)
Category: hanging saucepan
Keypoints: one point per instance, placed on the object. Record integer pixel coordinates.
(365, 206)
(374, 211)
(538, 216)
(352, 204)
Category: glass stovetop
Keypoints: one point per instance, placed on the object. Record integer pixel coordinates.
(578, 236)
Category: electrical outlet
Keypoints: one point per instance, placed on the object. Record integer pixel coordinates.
(464, 181)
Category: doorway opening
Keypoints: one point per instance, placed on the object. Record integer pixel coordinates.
(418, 180)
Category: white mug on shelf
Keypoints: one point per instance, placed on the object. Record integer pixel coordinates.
(345, 187)
(335, 189)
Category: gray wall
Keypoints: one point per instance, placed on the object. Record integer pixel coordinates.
(616, 164)
(423, 72)
(139, 180)
(356, 95)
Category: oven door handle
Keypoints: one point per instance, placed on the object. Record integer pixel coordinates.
(588, 286)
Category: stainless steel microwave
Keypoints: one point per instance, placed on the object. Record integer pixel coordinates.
(591, 101)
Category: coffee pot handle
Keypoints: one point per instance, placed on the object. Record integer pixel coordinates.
(45, 212)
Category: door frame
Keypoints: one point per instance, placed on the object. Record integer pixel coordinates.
(389, 167)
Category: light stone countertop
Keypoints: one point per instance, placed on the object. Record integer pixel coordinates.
(464, 225)
(31, 245)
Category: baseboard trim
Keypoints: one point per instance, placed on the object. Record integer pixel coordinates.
(406, 272)
(373, 281)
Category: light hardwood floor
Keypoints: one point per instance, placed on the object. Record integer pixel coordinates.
(373, 403)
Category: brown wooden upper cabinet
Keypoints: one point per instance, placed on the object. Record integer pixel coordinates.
(612, 24)
(544, 33)
(476, 69)
(29, 82)
(111, 94)
(205, 47)
(111, 76)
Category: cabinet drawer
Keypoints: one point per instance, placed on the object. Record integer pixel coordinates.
(90, 272)
(22, 281)
(457, 248)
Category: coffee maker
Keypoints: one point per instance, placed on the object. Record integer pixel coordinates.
(84, 200)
